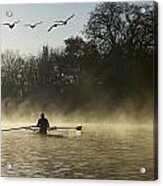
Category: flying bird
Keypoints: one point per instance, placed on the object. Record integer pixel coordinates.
(11, 25)
(54, 26)
(65, 21)
(33, 25)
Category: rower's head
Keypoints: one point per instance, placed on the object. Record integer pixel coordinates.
(42, 115)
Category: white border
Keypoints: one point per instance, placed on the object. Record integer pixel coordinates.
(62, 182)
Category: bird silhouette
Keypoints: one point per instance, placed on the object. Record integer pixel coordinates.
(33, 25)
(65, 21)
(11, 25)
(54, 26)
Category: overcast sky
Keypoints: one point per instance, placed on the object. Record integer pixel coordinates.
(27, 40)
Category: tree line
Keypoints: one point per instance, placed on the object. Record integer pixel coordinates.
(112, 63)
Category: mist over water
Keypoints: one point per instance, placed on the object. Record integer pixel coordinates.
(116, 141)
(27, 113)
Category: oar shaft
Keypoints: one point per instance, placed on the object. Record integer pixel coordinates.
(66, 127)
(55, 128)
(19, 128)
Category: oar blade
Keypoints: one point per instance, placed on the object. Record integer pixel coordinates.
(79, 128)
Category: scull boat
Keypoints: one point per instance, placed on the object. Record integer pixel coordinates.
(35, 128)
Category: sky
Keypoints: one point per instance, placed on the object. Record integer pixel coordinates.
(30, 41)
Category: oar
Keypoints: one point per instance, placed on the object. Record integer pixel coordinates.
(79, 128)
(19, 128)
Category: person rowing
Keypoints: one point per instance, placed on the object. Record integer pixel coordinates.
(43, 124)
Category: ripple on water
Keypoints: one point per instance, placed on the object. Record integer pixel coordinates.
(96, 154)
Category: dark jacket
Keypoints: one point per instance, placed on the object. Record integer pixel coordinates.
(43, 124)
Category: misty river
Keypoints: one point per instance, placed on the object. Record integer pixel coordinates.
(99, 152)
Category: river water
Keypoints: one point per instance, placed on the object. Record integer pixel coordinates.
(99, 152)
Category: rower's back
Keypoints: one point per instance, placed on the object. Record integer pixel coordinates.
(43, 124)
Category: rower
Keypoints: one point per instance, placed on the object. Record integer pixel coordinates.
(43, 124)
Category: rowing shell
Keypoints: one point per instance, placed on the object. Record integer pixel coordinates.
(35, 128)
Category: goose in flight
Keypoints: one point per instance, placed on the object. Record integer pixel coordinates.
(11, 25)
(54, 26)
(33, 25)
(65, 21)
